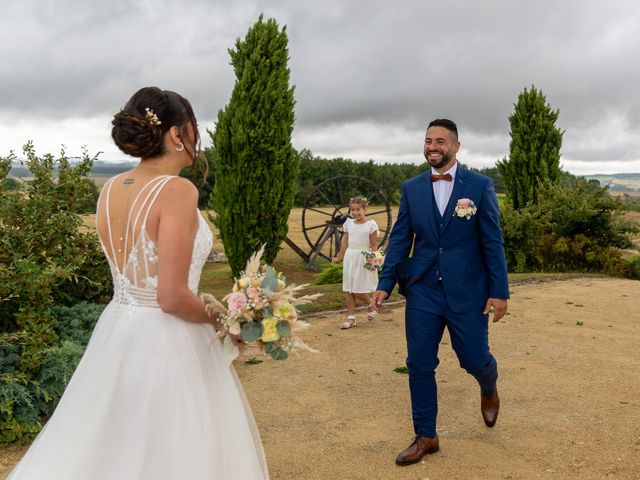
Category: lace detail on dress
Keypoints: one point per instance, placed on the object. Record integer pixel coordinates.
(137, 283)
(202, 245)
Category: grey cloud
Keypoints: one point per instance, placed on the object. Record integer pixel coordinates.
(76, 58)
(354, 62)
(473, 62)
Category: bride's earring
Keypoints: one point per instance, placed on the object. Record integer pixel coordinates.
(180, 147)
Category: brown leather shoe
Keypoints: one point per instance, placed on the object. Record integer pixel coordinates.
(418, 449)
(490, 406)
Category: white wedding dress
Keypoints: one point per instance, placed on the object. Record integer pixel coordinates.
(154, 397)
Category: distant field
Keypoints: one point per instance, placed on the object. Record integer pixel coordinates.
(619, 194)
(100, 180)
(620, 183)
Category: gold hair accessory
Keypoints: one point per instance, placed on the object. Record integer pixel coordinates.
(151, 117)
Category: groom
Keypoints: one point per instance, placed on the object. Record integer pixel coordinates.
(455, 276)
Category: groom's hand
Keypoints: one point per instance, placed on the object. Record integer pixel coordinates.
(377, 298)
(499, 306)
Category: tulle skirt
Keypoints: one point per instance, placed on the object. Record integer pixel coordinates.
(153, 398)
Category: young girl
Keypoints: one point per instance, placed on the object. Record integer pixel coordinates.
(359, 235)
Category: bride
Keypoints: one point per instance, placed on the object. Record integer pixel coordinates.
(154, 396)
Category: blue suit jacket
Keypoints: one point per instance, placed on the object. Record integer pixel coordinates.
(468, 255)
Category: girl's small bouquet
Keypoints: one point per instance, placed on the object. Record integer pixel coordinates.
(373, 261)
(261, 309)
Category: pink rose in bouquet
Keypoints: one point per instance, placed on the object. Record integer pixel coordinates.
(252, 292)
(236, 302)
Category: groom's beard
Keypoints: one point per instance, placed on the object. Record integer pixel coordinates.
(445, 159)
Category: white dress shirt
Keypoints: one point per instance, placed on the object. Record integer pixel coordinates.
(442, 189)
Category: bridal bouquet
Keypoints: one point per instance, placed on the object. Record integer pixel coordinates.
(261, 309)
(373, 260)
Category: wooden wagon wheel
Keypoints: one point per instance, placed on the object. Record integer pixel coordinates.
(327, 208)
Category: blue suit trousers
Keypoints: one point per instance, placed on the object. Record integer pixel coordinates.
(427, 314)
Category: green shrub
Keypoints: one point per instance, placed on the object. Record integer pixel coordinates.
(331, 274)
(76, 323)
(58, 364)
(19, 419)
(634, 267)
(11, 183)
(45, 260)
(628, 267)
(26, 400)
(9, 358)
(90, 201)
(574, 227)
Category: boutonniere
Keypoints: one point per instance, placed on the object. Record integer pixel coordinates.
(465, 208)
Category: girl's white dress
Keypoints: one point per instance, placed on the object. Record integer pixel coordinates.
(356, 278)
(154, 397)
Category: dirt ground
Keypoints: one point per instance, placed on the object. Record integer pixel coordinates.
(569, 384)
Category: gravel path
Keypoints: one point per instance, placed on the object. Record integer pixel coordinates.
(569, 385)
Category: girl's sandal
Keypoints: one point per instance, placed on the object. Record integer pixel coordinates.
(350, 323)
(372, 315)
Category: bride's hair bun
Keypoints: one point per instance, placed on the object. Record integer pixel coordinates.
(139, 128)
(136, 136)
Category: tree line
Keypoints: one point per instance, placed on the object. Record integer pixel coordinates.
(314, 169)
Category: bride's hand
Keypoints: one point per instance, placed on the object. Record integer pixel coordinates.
(237, 340)
(214, 318)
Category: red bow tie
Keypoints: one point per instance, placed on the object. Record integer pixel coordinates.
(446, 176)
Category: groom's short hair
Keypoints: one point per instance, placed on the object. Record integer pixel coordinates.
(445, 123)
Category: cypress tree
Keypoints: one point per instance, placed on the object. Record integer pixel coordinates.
(534, 151)
(256, 166)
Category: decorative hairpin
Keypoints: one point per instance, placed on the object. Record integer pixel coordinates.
(151, 117)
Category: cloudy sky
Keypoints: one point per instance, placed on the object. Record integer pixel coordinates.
(369, 74)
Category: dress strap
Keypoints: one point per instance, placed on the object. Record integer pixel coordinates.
(142, 203)
(156, 185)
(156, 191)
(145, 206)
(106, 207)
